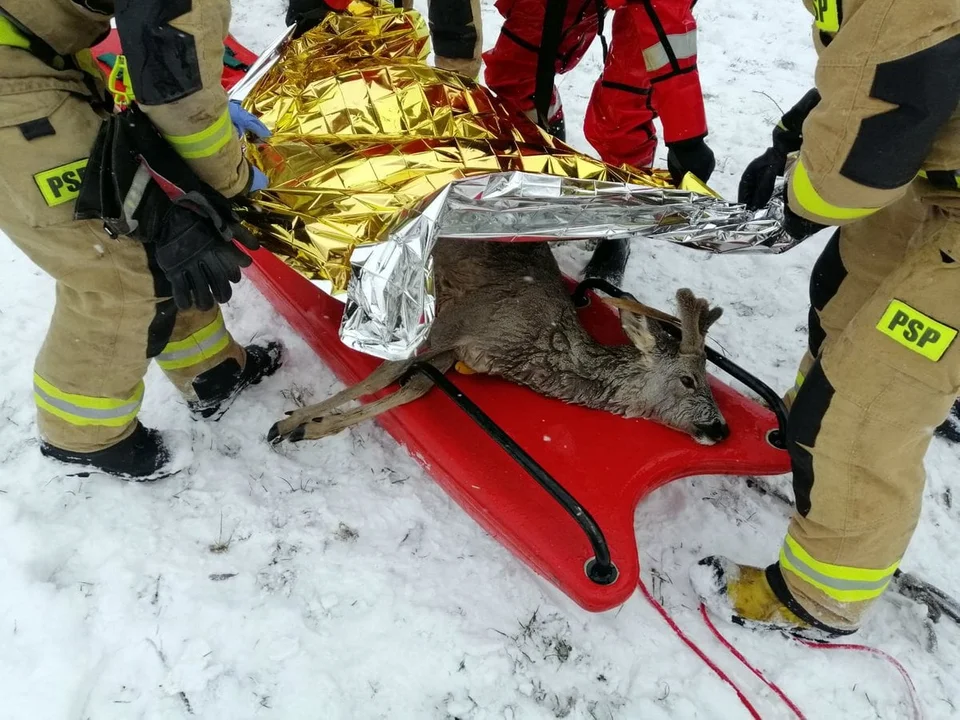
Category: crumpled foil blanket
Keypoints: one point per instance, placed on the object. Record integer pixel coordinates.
(375, 155)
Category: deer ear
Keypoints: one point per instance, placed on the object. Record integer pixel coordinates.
(639, 330)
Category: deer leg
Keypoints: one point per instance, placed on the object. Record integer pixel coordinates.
(321, 426)
(387, 373)
(380, 378)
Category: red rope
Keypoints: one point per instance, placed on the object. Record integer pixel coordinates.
(911, 688)
(746, 663)
(690, 644)
(917, 711)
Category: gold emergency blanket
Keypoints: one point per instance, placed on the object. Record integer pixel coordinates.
(365, 131)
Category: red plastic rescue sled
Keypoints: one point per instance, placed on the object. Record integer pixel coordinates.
(607, 463)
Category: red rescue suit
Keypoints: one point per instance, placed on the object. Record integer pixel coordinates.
(651, 70)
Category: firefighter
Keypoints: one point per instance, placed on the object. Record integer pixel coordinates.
(455, 29)
(879, 158)
(650, 70)
(122, 301)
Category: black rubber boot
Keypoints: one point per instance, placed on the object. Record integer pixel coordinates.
(609, 260)
(218, 387)
(142, 457)
(557, 126)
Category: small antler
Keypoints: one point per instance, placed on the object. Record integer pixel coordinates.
(696, 317)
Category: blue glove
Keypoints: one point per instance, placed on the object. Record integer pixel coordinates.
(245, 122)
(258, 181)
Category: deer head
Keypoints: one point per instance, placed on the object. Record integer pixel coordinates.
(669, 383)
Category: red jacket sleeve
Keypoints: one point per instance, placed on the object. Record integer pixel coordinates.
(667, 32)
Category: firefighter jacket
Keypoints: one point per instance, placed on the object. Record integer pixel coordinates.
(888, 73)
(174, 52)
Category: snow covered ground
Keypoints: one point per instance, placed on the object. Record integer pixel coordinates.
(336, 581)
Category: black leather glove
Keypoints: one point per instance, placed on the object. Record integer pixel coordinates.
(193, 246)
(692, 156)
(760, 177)
(306, 14)
(795, 226)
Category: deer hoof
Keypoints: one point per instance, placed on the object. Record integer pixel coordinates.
(277, 434)
(273, 435)
(283, 430)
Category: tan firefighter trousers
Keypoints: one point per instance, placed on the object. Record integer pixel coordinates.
(881, 373)
(112, 310)
(456, 33)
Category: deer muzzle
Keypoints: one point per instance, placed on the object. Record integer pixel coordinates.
(711, 433)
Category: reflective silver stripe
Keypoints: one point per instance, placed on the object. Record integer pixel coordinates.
(833, 582)
(116, 413)
(197, 348)
(683, 45)
(132, 201)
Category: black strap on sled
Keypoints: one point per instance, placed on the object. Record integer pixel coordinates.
(600, 568)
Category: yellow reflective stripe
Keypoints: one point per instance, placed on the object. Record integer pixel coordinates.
(204, 344)
(205, 143)
(792, 392)
(811, 201)
(840, 582)
(85, 410)
(11, 36)
(844, 572)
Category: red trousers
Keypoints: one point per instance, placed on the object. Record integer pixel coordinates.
(651, 71)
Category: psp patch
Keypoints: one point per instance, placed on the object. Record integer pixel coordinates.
(61, 184)
(827, 15)
(916, 331)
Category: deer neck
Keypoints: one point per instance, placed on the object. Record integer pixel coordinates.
(573, 367)
(602, 372)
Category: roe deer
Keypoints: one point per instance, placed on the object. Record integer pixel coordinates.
(503, 309)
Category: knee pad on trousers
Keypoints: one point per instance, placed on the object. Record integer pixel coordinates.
(803, 426)
(161, 327)
(825, 280)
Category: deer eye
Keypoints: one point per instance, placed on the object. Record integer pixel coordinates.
(688, 382)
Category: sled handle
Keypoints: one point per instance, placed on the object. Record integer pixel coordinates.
(773, 401)
(600, 569)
